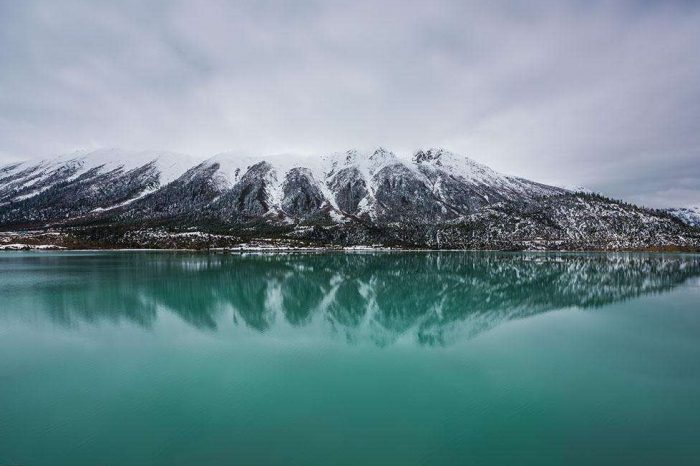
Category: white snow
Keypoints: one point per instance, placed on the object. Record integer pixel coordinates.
(232, 166)
(169, 166)
(688, 215)
(23, 246)
(125, 203)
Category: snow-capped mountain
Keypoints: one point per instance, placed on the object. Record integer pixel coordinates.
(435, 198)
(688, 215)
(81, 183)
(378, 187)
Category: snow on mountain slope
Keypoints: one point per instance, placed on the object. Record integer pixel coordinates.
(484, 184)
(375, 186)
(267, 186)
(435, 199)
(688, 215)
(354, 177)
(233, 165)
(76, 184)
(367, 163)
(458, 166)
(378, 185)
(579, 220)
(24, 180)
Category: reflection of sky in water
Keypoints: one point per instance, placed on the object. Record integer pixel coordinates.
(429, 298)
(173, 358)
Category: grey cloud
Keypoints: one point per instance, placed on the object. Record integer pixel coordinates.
(601, 94)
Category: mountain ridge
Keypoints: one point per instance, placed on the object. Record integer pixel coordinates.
(434, 199)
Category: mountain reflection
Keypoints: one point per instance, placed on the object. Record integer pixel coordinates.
(431, 297)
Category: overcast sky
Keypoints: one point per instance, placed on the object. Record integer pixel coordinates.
(602, 95)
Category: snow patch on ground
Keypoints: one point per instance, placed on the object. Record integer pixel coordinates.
(26, 247)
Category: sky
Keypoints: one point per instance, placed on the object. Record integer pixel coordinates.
(603, 95)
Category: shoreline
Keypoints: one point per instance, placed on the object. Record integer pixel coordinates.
(337, 249)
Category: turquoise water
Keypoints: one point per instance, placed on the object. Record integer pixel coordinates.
(130, 358)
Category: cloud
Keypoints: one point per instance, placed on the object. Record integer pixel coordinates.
(601, 94)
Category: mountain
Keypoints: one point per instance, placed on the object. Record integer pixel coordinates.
(82, 183)
(688, 215)
(434, 199)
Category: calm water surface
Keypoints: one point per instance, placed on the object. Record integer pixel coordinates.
(135, 358)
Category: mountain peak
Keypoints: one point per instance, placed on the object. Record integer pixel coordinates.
(381, 152)
(456, 164)
(430, 155)
(369, 162)
(439, 156)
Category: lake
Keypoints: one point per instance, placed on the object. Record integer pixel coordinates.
(173, 358)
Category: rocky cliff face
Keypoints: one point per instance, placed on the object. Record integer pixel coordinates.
(434, 199)
(302, 196)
